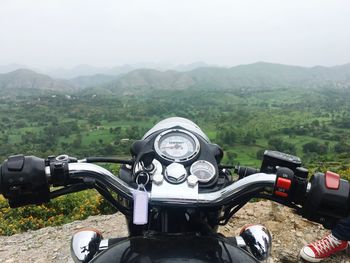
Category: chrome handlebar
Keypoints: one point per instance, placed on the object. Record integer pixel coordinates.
(251, 184)
(89, 170)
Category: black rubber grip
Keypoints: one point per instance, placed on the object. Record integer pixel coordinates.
(245, 171)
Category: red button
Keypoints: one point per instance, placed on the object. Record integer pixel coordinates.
(281, 194)
(332, 180)
(283, 183)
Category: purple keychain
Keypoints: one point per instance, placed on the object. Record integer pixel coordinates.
(140, 205)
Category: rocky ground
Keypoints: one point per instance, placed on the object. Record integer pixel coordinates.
(51, 244)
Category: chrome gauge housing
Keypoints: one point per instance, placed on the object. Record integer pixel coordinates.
(203, 170)
(176, 145)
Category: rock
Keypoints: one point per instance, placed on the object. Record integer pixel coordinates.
(299, 234)
(288, 257)
(250, 212)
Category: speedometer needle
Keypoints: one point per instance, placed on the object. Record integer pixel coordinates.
(176, 146)
(170, 147)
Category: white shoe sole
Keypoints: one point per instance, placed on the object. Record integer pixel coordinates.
(308, 258)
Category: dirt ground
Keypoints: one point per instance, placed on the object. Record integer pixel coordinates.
(52, 244)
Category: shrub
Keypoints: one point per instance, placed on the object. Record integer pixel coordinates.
(58, 211)
(344, 173)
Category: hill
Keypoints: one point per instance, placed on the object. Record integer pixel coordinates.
(259, 75)
(27, 81)
(91, 80)
(87, 70)
(141, 79)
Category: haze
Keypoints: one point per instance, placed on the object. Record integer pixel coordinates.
(65, 33)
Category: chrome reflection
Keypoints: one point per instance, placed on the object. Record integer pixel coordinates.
(85, 245)
(176, 122)
(175, 173)
(258, 240)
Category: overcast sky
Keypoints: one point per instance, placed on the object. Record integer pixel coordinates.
(65, 33)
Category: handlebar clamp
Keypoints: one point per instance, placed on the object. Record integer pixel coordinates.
(59, 171)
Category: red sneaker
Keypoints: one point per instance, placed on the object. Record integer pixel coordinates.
(323, 248)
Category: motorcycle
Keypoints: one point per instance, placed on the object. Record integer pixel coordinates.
(174, 193)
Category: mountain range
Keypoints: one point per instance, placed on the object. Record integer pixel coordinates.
(259, 75)
(88, 70)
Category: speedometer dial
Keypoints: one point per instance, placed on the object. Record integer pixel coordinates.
(176, 145)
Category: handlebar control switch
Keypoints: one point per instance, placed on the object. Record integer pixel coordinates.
(23, 181)
(284, 182)
(332, 180)
(15, 163)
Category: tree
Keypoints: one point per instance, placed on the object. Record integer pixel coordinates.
(315, 147)
(133, 132)
(282, 146)
(76, 144)
(260, 154)
(226, 135)
(249, 138)
(342, 148)
(315, 123)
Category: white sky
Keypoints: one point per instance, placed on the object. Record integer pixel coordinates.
(64, 33)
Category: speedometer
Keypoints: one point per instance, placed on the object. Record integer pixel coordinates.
(176, 145)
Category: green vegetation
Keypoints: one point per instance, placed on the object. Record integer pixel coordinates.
(313, 124)
(59, 211)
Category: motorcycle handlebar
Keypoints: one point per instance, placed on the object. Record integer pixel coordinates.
(27, 179)
(254, 183)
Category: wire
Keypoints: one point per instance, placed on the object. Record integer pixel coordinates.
(70, 189)
(108, 196)
(108, 160)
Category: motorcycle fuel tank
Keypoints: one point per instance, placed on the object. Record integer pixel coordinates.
(174, 249)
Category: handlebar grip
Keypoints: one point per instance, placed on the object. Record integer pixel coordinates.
(245, 171)
(328, 199)
(23, 180)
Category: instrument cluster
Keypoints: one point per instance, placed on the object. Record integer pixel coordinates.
(180, 146)
(179, 156)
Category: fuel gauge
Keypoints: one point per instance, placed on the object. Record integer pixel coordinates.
(203, 170)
